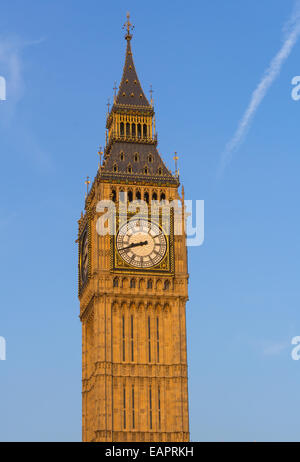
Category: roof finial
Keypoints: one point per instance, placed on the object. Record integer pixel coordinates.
(128, 26)
(87, 182)
(115, 91)
(151, 95)
(176, 160)
(100, 153)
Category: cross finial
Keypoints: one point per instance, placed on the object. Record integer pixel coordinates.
(176, 160)
(100, 153)
(115, 91)
(151, 94)
(87, 182)
(128, 26)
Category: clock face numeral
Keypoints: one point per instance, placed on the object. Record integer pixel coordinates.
(141, 244)
(84, 258)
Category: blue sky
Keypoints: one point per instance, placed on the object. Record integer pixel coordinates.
(204, 60)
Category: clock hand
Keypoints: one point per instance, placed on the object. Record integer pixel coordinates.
(134, 244)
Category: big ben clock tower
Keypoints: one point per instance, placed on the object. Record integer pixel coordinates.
(133, 283)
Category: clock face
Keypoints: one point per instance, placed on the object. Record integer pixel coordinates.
(141, 244)
(84, 258)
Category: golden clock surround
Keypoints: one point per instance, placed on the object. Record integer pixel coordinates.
(165, 266)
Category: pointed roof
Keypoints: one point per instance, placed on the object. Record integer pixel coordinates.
(130, 90)
(138, 157)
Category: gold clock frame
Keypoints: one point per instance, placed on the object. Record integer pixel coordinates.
(165, 266)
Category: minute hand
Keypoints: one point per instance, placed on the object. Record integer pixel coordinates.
(134, 244)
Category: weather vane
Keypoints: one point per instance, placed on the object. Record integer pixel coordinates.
(87, 182)
(128, 26)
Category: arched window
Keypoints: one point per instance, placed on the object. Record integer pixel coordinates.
(146, 197)
(154, 196)
(114, 195)
(122, 128)
(133, 129)
(128, 129)
(149, 284)
(145, 131)
(146, 171)
(116, 282)
(132, 283)
(115, 168)
(130, 196)
(138, 195)
(166, 285)
(122, 155)
(136, 157)
(129, 169)
(139, 131)
(150, 158)
(162, 197)
(160, 171)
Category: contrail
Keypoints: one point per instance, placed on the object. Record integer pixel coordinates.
(291, 33)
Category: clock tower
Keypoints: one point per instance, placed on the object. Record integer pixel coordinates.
(133, 282)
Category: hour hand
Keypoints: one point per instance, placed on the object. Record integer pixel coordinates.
(134, 244)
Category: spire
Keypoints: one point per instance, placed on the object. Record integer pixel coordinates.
(130, 91)
(130, 152)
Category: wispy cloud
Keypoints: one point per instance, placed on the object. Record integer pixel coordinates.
(291, 32)
(267, 347)
(274, 349)
(11, 69)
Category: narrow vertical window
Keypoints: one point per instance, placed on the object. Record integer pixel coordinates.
(139, 131)
(157, 339)
(150, 407)
(159, 410)
(123, 337)
(149, 340)
(133, 407)
(133, 130)
(124, 407)
(131, 338)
